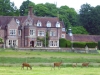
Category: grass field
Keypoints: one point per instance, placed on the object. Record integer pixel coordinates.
(48, 71)
(11, 60)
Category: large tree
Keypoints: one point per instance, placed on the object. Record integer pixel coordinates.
(90, 18)
(8, 8)
(68, 15)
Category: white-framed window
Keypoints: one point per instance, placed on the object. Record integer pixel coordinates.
(52, 33)
(39, 24)
(57, 24)
(12, 31)
(32, 32)
(39, 43)
(48, 24)
(63, 35)
(12, 42)
(63, 29)
(19, 32)
(53, 43)
(41, 33)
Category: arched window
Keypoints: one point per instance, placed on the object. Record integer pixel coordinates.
(57, 24)
(48, 24)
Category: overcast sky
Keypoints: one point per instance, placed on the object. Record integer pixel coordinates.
(70, 3)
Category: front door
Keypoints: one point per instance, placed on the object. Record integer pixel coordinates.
(32, 44)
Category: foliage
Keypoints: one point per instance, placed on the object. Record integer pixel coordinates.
(91, 44)
(79, 44)
(89, 18)
(8, 8)
(24, 7)
(99, 45)
(62, 42)
(68, 15)
(1, 41)
(68, 43)
(79, 30)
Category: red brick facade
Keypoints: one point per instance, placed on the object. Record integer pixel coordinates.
(23, 31)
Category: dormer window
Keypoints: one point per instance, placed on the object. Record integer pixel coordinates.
(57, 24)
(48, 24)
(39, 24)
(17, 21)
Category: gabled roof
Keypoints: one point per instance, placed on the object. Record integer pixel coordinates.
(4, 20)
(84, 38)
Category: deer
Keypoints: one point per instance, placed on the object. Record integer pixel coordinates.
(85, 64)
(74, 65)
(57, 64)
(26, 65)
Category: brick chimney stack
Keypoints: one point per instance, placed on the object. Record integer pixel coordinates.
(30, 11)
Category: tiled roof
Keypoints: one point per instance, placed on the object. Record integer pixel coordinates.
(84, 38)
(4, 20)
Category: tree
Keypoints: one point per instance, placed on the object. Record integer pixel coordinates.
(52, 9)
(24, 7)
(41, 10)
(90, 18)
(79, 30)
(8, 8)
(68, 15)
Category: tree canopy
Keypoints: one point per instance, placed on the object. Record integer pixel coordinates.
(8, 8)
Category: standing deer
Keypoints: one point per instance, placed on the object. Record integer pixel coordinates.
(57, 64)
(26, 65)
(85, 64)
(74, 65)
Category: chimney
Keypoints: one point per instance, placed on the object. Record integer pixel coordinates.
(30, 11)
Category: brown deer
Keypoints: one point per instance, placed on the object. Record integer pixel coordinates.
(26, 65)
(74, 65)
(57, 64)
(85, 64)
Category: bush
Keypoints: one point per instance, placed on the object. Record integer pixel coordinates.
(91, 44)
(62, 42)
(99, 45)
(79, 44)
(1, 41)
(68, 43)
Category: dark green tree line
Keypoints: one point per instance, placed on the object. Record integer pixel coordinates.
(89, 18)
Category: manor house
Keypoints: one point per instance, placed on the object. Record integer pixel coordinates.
(25, 31)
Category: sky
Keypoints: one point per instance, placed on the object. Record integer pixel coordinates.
(76, 4)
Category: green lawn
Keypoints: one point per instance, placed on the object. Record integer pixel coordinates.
(48, 71)
(41, 62)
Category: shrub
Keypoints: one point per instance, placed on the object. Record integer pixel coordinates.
(99, 45)
(68, 43)
(91, 44)
(62, 42)
(79, 44)
(1, 41)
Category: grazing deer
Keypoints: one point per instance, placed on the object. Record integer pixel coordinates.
(26, 65)
(57, 64)
(85, 64)
(74, 65)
